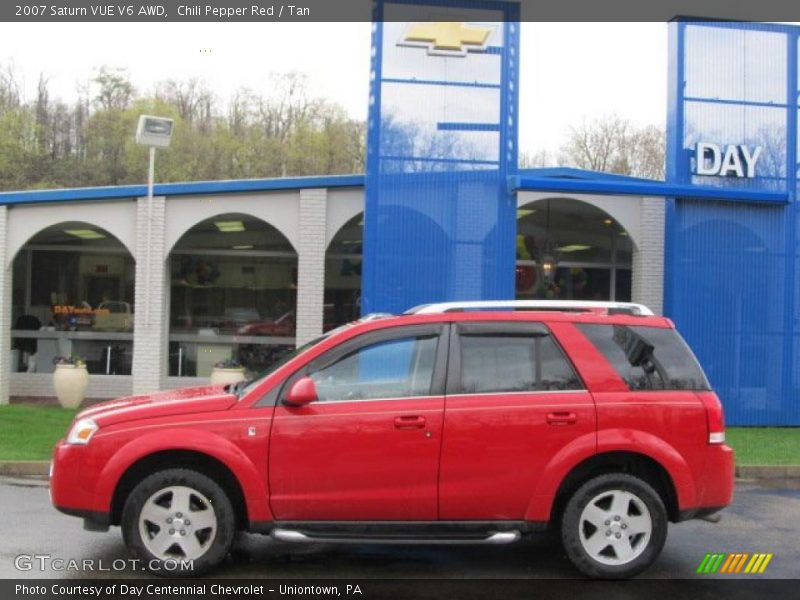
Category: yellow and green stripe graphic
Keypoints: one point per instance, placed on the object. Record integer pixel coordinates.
(735, 562)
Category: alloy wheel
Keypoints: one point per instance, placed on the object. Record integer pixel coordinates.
(177, 522)
(615, 527)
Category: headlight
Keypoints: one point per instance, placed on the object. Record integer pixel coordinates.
(82, 432)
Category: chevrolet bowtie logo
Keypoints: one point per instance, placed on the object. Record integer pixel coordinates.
(447, 38)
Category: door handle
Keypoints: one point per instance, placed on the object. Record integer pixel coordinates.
(562, 418)
(409, 422)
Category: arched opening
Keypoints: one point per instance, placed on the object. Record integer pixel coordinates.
(570, 250)
(343, 260)
(233, 293)
(73, 294)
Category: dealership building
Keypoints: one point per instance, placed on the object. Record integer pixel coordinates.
(154, 292)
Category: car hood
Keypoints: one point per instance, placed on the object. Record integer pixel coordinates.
(206, 398)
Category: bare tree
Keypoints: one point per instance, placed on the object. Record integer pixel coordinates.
(192, 99)
(614, 145)
(9, 88)
(536, 159)
(287, 105)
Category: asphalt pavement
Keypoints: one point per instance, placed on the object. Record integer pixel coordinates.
(764, 517)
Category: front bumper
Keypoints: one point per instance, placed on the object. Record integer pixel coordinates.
(68, 491)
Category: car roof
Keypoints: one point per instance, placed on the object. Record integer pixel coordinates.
(596, 316)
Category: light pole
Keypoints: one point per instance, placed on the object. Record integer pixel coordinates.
(154, 132)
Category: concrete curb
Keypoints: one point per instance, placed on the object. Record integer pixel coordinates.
(25, 468)
(40, 468)
(768, 472)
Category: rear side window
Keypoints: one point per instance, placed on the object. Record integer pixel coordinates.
(648, 358)
(513, 362)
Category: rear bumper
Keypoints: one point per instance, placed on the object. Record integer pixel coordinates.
(698, 513)
(715, 488)
(92, 520)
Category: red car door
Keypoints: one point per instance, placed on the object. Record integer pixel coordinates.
(368, 447)
(513, 402)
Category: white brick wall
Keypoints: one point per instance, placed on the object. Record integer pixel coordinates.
(100, 386)
(5, 307)
(312, 219)
(150, 316)
(648, 257)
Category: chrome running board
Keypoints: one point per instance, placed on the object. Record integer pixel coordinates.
(293, 536)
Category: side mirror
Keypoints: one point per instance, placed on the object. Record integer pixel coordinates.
(302, 392)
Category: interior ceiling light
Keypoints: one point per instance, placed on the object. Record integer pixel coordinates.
(229, 226)
(246, 247)
(85, 234)
(608, 221)
(574, 248)
(524, 212)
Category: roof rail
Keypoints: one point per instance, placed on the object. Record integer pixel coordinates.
(555, 305)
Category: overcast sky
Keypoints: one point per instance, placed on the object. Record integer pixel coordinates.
(569, 71)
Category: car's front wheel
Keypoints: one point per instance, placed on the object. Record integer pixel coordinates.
(178, 521)
(614, 526)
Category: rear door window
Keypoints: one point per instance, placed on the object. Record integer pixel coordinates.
(648, 358)
(514, 358)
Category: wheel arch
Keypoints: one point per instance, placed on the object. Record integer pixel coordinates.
(621, 461)
(180, 459)
(204, 451)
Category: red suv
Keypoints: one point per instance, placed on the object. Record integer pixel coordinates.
(453, 423)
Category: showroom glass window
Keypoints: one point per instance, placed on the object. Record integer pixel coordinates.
(233, 293)
(73, 294)
(343, 260)
(591, 252)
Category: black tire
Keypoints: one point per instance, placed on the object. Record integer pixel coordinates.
(644, 548)
(214, 542)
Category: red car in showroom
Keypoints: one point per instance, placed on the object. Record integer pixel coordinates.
(453, 423)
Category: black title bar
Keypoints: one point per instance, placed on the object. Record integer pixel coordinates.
(361, 10)
(378, 589)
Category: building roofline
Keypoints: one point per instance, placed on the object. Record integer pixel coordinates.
(559, 179)
(645, 187)
(585, 174)
(190, 188)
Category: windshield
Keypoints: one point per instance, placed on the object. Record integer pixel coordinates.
(243, 387)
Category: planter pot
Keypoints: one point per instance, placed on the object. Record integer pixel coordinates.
(226, 376)
(70, 383)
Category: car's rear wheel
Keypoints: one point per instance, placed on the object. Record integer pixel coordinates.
(614, 526)
(178, 521)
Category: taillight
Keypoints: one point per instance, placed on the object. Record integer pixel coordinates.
(714, 417)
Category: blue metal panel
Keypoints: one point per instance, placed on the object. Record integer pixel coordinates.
(440, 82)
(445, 126)
(440, 222)
(731, 268)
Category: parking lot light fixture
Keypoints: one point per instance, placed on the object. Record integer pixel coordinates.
(154, 132)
